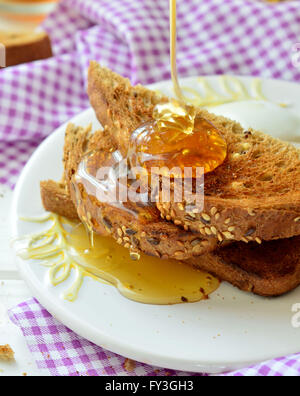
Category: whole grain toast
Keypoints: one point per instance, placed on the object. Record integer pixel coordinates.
(133, 225)
(269, 269)
(253, 196)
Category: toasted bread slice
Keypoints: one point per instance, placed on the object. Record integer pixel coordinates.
(269, 269)
(25, 47)
(253, 196)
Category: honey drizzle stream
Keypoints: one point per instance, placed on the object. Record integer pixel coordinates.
(173, 52)
(177, 137)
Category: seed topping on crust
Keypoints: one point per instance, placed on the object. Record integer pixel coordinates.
(220, 237)
(208, 231)
(213, 211)
(228, 235)
(205, 217)
(214, 230)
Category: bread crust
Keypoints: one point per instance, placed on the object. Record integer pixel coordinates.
(270, 269)
(56, 199)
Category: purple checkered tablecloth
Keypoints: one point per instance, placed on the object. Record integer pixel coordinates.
(131, 37)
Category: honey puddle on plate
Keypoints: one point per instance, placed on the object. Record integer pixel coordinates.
(149, 280)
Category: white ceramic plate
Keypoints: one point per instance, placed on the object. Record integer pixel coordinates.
(230, 330)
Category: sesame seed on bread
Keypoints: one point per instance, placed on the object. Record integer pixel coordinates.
(266, 268)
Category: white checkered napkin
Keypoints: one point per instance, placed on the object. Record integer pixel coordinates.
(37, 98)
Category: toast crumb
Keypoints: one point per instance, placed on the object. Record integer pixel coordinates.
(6, 353)
(129, 365)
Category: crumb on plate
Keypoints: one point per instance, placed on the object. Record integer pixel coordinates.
(6, 352)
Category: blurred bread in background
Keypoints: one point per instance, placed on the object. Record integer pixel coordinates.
(25, 47)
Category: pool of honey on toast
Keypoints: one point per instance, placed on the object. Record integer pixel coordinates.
(177, 138)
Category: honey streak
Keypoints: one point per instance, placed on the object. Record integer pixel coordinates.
(149, 280)
(177, 137)
(173, 43)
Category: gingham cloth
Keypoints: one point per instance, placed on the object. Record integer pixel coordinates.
(243, 37)
(132, 37)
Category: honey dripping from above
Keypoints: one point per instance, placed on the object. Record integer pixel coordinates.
(177, 138)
